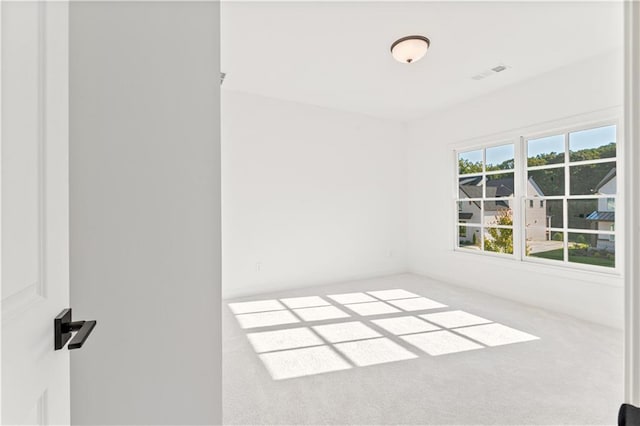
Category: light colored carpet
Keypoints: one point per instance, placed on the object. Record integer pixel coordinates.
(409, 350)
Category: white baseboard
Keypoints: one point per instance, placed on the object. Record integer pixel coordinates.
(230, 293)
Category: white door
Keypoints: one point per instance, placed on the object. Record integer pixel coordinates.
(34, 196)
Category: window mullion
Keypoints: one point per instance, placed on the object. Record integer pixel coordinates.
(565, 201)
(519, 177)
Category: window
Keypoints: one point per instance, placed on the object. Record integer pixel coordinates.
(566, 211)
(575, 174)
(485, 197)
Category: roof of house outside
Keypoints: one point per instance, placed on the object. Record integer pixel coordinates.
(602, 216)
(536, 187)
(496, 188)
(606, 179)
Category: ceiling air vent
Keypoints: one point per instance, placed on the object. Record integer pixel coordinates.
(489, 72)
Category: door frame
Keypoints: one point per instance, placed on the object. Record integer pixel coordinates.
(632, 201)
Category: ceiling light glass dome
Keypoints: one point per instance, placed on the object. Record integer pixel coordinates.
(410, 49)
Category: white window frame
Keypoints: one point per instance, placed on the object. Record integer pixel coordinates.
(606, 117)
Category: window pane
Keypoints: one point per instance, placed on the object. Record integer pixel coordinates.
(469, 211)
(498, 240)
(498, 212)
(593, 179)
(543, 214)
(544, 243)
(500, 185)
(592, 249)
(469, 237)
(470, 187)
(549, 150)
(500, 157)
(592, 144)
(555, 213)
(590, 214)
(470, 162)
(547, 182)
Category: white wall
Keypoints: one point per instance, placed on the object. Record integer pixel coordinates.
(145, 211)
(311, 194)
(582, 88)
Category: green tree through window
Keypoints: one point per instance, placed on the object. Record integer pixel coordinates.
(500, 240)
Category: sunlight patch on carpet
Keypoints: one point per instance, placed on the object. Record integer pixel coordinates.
(308, 335)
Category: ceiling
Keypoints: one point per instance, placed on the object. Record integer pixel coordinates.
(336, 54)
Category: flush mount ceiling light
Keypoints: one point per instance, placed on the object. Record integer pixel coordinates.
(410, 48)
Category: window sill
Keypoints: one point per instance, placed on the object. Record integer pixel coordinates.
(613, 278)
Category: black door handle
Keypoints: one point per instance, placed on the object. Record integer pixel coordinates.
(63, 327)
